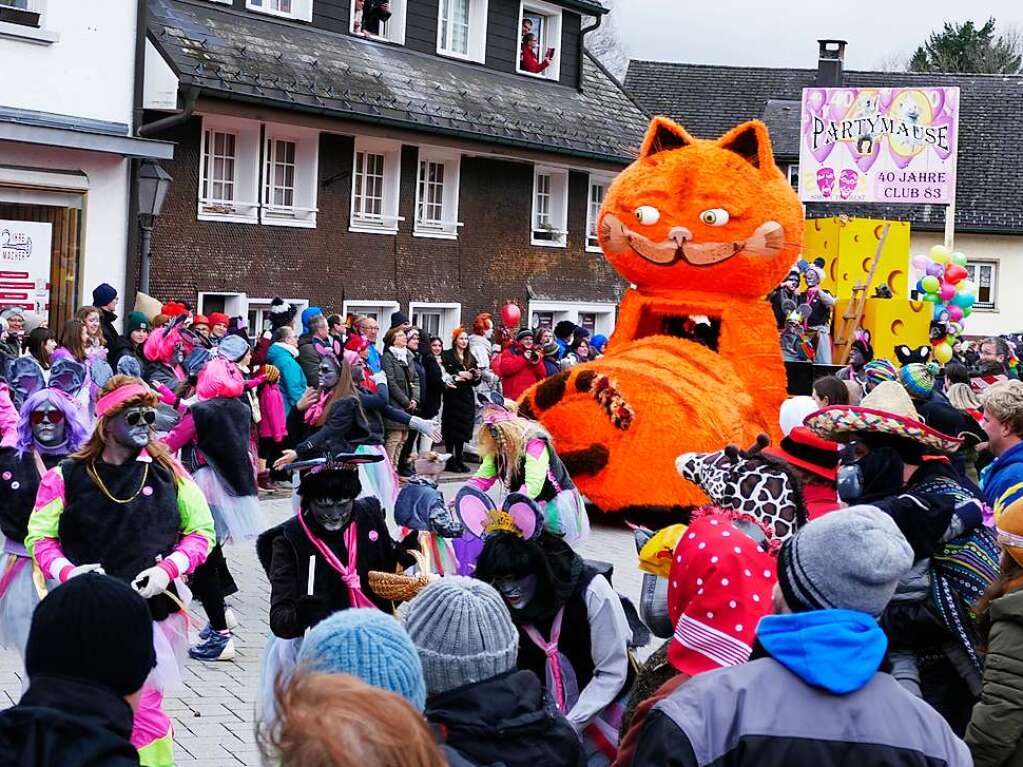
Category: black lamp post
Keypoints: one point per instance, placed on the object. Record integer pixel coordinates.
(153, 184)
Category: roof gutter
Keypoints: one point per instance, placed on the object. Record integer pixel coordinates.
(582, 50)
(191, 96)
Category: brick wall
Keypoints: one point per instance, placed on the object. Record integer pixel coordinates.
(491, 262)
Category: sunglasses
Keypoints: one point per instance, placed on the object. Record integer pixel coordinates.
(134, 419)
(42, 416)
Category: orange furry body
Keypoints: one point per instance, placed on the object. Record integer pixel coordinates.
(703, 229)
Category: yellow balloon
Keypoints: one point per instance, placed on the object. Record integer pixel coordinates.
(943, 352)
(940, 254)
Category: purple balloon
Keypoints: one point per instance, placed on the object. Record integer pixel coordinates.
(936, 270)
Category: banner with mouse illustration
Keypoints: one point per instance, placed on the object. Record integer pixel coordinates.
(887, 145)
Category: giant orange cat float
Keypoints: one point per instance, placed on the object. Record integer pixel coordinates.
(701, 229)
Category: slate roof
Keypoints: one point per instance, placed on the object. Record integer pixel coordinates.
(245, 56)
(708, 100)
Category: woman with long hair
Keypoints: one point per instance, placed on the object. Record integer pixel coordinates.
(74, 337)
(461, 377)
(91, 317)
(41, 345)
(123, 505)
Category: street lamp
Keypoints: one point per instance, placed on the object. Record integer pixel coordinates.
(153, 183)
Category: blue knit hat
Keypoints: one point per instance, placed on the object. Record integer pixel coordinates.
(307, 316)
(370, 645)
(917, 379)
(103, 294)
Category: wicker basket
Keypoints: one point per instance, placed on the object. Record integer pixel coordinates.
(399, 587)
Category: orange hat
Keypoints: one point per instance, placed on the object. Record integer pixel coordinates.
(219, 318)
(200, 319)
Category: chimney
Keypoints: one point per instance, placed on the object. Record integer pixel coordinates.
(829, 63)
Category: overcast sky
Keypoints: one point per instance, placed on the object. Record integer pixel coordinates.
(784, 32)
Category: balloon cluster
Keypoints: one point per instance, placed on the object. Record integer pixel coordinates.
(943, 283)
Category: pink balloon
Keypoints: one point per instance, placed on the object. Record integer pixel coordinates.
(947, 292)
(955, 313)
(921, 262)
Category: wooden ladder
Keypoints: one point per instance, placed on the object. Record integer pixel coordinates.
(853, 316)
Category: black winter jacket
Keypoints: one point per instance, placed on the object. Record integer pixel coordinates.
(505, 720)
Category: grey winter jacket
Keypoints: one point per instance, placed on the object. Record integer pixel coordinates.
(402, 385)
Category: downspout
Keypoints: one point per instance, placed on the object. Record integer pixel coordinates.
(191, 96)
(582, 49)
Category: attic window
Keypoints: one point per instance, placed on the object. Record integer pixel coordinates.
(301, 10)
(462, 29)
(379, 20)
(540, 40)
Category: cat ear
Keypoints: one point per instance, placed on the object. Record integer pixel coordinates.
(664, 135)
(751, 142)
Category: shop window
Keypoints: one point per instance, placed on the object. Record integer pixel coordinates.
(594, 201)
(229, 170)
(436, 319)
(289, 176)
(379, 20)
(540, 40)
(462, 29)
(550, 207)
(302, 10)
(437, 194)
(543, 320)
(984, 274)
(377, 169)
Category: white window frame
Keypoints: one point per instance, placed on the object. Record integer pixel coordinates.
(302, 212)
(973, 267)
(592, 216)
(244, 208)
(301, 10)
(235, 304)
(557, 208)
(261, 306)
(395, 30)
(382, 309)
(387, 222)
(447, 226)
(554, 26)
(450, 317)
(792, 172)
(39, 35)
(570, 310)
(476, 47)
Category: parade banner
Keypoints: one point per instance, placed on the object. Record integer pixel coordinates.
(25, 264)
(887, 145)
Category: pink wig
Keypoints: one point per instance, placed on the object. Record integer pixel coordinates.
(220, 378)
(159, 347)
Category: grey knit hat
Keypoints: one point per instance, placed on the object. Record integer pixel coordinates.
(849, 559)
(463, 632)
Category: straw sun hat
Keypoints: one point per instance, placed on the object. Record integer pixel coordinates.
(888, 409)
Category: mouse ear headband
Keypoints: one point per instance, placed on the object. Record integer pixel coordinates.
(493, 409)
(479, 514)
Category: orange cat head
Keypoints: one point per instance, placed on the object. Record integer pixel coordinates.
(712, 216)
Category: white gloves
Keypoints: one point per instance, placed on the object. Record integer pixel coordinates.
(430, 428)
(96, 567)
(151, 582)
(379, 378)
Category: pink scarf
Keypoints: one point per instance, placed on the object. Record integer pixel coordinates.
(350, 574)
(312, 415)
(550, 649)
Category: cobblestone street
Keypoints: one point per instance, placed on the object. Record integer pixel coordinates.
(213, 715)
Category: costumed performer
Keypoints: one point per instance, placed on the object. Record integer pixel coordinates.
(122, 505)
(51, 426)
(573, 631)
(421, 507)
(819, 302)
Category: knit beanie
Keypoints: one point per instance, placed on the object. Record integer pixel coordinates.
(233, 348)
(370, 645)
(398, 319)
(103, 295)
(849, 559)
(93, 628)
(878, 371)
(523, 334)
(135, 321)
(463, 632)
(917, 379)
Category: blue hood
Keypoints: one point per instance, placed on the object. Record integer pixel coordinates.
(837, 650)
(1002, 473)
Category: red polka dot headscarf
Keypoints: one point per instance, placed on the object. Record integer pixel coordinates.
(718, 589)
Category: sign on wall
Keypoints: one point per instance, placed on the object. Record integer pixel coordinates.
(25, 248)
(887, 145)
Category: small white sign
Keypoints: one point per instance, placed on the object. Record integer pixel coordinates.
(25, 251)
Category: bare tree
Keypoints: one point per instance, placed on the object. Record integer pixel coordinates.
(605, 42)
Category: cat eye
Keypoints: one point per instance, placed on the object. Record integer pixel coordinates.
(647, 215)
(715, 217)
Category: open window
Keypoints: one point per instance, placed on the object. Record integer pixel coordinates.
(300, 10)
(539, 40)
(550, 207)
(793, 175)
(380, 311)
(229, 170)
(259, 314)
(375, 181)
(594, 201)
(436, 319)
(462, 29)
(437, 193)
(290, 158)
(379, 20)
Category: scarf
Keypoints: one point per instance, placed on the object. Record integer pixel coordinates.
(349, 574)
(401, 354)
(550, 649)
(312, 415)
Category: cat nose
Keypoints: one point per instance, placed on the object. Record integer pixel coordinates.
(680, 235)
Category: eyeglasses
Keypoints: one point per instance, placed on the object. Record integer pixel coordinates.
(41, 416)
(134, 419)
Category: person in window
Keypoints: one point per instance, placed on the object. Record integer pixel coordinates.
(530, 60)
(374, 12)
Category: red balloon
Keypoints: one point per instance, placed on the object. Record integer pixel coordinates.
(955, 273)
(511, 314)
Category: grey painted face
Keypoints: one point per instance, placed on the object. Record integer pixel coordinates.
(332, 514)
(48, 425)
(517, 592)
(327, 373)
(812, 278)
(130, 428)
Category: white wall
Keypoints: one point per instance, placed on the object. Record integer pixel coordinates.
(1007, 316)
(87, 72)
(105, 213)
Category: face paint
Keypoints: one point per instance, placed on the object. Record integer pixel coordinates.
(327, 373)
(48, 425)
(812, 278)
(517, 592)
(131, 427)
(332, 514)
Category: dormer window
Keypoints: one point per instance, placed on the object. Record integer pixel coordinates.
(302, 10)
(540, 40)
(462, 29)
(379, 20)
